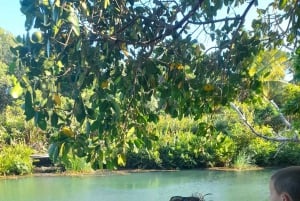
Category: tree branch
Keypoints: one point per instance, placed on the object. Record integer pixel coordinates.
(216, 20)
(276, 139)
(171, 28)
(242, 21)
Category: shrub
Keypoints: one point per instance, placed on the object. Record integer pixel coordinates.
(15, 160)
(286, 154)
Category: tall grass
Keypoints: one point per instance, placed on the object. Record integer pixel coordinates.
(243, 161)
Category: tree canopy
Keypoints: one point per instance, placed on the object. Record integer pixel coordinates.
(96, 71)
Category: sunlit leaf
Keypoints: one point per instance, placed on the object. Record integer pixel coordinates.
(130, 132)
(106, 3)
(16, 91)
(121, 159)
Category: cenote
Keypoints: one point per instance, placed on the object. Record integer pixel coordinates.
(142, 186)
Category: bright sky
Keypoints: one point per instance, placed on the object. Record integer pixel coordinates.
(11, 18)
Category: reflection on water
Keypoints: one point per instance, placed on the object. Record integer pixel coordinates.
(150, 186)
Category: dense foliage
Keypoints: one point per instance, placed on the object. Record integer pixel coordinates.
(6, 59)
(15, 160)
(95, 73)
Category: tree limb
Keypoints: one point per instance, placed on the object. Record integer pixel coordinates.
(276, 139)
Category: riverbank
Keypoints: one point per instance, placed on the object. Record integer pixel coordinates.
(237, 169)
(56, 171)
(90, 173)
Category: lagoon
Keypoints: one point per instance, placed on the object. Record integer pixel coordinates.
(140, 186)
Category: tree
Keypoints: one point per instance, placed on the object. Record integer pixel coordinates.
(98, 71)
(7, 40)
(6, 62)
(275, 97)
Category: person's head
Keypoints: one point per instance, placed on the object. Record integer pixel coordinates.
(285, 184)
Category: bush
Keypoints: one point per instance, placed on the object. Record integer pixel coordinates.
(286, 154)
(15, 160)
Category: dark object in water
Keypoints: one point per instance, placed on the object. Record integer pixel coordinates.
(180, 198)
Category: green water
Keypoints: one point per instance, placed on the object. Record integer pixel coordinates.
(150, 186)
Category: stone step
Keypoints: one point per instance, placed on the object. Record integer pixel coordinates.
(41, 160)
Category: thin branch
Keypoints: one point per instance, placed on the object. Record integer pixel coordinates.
(216, 21)
(245, 14)
(242, 116)
(171, 28)
(284, 120)
(279, 149)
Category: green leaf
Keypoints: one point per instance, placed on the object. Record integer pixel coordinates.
(53, 152)
(153, 118)
(54, 119)
(95, 125)
(61, 150)
(73, 19)
(29, 111)
(41, 120)
(64, 150)
(202, 46)
(87, 128)
(91, 114)
(138, 143)
(79, 111)
(76, 30)
(298, 50)
(282, 4)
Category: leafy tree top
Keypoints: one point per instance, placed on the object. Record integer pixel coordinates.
(108, 67)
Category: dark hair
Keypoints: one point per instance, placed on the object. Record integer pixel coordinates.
(180, 198)
(288, 180)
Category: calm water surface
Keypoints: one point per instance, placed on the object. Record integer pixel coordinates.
(149, 186)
